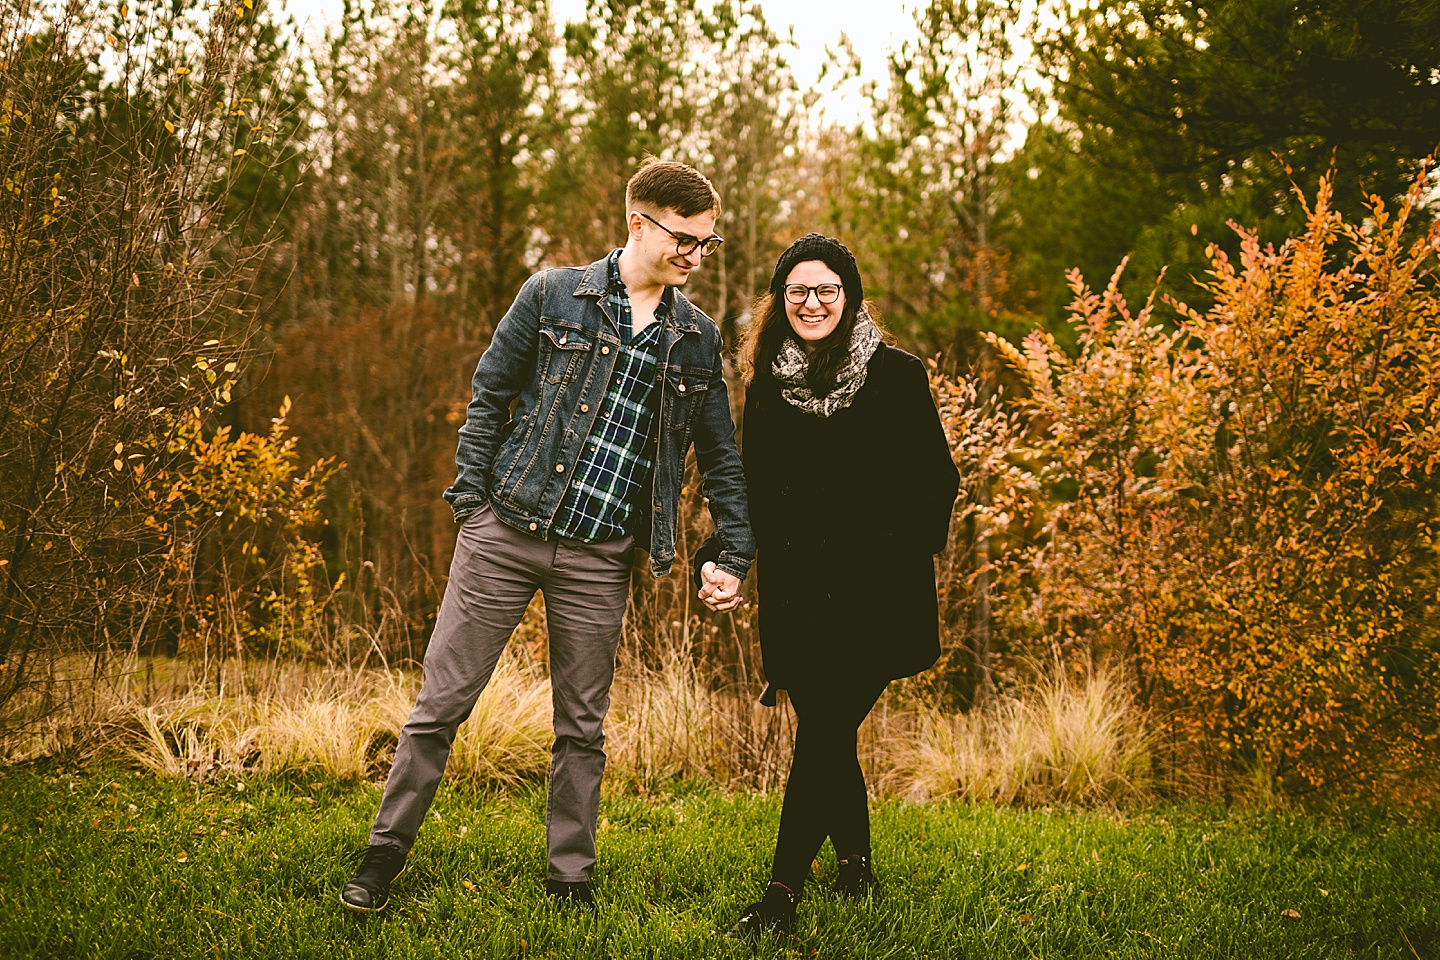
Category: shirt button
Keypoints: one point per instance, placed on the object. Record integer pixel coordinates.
(604, 349)
(559, 468)
(584, 408)
(534, 526)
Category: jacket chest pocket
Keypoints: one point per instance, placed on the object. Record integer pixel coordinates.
(684, 393)
(563, 349)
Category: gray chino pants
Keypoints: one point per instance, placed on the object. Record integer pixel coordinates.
(493, 577)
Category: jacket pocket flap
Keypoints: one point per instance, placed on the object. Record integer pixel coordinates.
(564, 337)
(686, 382)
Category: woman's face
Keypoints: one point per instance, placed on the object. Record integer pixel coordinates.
(813, 320)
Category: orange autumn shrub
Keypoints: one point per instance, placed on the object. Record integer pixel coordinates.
(1241, 506)
(235, 515)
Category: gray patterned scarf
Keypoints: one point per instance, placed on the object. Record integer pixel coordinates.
(791, 365)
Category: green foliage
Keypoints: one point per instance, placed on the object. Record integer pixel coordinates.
(703, 84)
(922, 193)
(114, 864)
(1171, 116)
(1201, 90)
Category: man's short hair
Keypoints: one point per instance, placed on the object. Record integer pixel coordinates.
(667, 185)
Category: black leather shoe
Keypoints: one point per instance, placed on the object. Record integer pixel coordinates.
(774, 911)
(577, 894)
(369, 890)
(855, 880)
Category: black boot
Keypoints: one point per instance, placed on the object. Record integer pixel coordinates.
(855, 879)
(576, 894)
(774, 911)
(369, 890)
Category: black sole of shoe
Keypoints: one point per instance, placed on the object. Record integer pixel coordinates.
(358, 909)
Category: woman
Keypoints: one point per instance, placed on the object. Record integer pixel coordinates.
(851, 487)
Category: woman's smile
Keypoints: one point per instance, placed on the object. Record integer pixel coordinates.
(813, 320)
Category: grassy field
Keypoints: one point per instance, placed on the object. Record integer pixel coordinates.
(105, 862)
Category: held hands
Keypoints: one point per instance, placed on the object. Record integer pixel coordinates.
(721, 590)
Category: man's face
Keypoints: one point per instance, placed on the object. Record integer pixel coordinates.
(657, 249)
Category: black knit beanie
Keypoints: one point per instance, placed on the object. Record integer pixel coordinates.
(832, 253)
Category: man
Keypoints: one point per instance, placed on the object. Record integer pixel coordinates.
(612, 374)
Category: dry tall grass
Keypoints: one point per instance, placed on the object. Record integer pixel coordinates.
(1057, 737)
(338, 722)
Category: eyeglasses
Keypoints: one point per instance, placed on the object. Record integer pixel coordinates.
(825, 292)
(685, 244)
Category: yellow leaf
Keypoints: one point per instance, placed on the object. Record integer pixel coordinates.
(240, 152)
(1292, 914)
(169, 126)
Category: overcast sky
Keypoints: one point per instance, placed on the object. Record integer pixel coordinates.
(874, 26)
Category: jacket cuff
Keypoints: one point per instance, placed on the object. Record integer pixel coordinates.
(466, 504)
(711, 552)
(736, 566)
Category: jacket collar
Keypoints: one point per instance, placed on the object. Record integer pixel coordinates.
(596, 280)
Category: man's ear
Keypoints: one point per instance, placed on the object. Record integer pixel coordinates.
(634, 224)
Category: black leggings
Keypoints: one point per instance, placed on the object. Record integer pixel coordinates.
(825, 795)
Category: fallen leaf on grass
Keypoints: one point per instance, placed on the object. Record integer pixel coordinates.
(183, 857)
(1025, 918)
(469, 887)
(1022, 868)
(1292, 914)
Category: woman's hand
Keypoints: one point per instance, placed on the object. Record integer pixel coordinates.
(721, 590)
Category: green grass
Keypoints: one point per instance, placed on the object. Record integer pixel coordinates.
(91, 866)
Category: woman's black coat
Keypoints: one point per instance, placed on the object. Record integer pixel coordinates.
(848, 511)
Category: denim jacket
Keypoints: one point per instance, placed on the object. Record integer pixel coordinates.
(551, 358)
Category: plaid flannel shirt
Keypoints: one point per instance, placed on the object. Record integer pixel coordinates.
(616, 461)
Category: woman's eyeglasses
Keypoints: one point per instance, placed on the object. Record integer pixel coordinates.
(684, 244)
(825, 292)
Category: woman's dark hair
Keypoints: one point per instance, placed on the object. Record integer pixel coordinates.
(769, 327)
